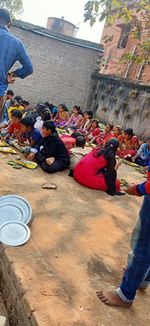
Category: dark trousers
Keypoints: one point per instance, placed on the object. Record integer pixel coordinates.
(110, 178)
(55, 167)
(58, 165)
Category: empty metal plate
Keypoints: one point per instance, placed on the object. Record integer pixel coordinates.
(11, 212)
(21, 202)
(14, 233)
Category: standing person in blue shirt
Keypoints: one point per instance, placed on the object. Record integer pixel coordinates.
(11, 50)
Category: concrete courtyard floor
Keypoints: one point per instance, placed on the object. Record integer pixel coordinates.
(79, 243)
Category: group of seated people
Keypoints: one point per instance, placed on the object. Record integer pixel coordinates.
(37, 131)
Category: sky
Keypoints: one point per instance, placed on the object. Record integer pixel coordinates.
(37, 12)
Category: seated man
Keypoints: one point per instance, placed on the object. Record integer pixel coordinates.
(50, 153)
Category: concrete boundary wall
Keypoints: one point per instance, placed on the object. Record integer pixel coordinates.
(120, 101)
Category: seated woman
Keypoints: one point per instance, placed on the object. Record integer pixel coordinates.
(51, 153)
(62, 116)
(142, 156)
(75, 119)
(118, 134)
(44, 116)
(129, 145)
(107, 135)
(53, 109)
(86, 122)
(97, 170)
(94, 132)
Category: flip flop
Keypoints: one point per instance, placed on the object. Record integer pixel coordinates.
(49, 186)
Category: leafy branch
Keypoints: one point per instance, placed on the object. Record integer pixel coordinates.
(133, 12)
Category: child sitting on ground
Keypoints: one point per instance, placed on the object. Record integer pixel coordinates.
(15, 125)
(77, 153)
(44, 116)
(50, 153)
(29, 135)
(15, 106)
(62, 116)
(94, 132)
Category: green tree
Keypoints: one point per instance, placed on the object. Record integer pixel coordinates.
(15, 7)
(133, 12)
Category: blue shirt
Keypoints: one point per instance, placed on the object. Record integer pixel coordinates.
(34, 135)
(143, 152)
(12, 50)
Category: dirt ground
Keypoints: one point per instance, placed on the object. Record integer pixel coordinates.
(79, 243)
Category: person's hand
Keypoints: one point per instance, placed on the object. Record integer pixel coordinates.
(31, 156)
(145, 168)
(119, 162)
(130, 190)
(133, 158)
(50, 160)
(16, 132)
(10, 78)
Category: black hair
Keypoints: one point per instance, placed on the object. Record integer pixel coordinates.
(4, 16)
(45, 115)
(49, 125)
(97, 122)
(77, 107)
(24, 102)
(80, 141)
(129, 132)
(28, 122)
(17, 114)
(63, 107)
(18, 98)
(109, 150)
(110, 125)
(41, 107)
(13, 102)
(10, 92)
(90, 113)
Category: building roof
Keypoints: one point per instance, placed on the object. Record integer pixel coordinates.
(60, 37)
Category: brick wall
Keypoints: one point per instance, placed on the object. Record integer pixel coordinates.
(112, 54)
(62, 71)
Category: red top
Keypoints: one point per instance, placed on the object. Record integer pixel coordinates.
(119, 137)
(96, 132)
(106, 137)
(14, 127)
(86, 171)
(132, 143)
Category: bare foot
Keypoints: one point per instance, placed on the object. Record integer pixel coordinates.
(111, 298)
